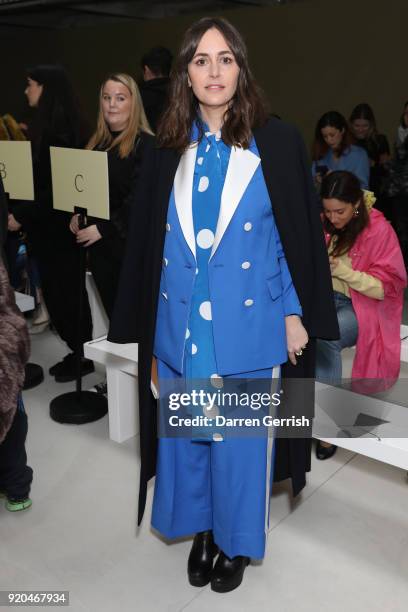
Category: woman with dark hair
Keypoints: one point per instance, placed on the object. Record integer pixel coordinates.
(397, 187)
(56, 122)
(364, 129)
(225, 277)
(333, 150)
(368, 278)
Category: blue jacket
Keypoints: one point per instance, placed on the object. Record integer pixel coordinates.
(250, 284)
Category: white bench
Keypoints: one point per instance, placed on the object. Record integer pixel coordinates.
(120, 361)
(375, 444)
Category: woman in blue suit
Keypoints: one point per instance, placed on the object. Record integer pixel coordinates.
(333, 150)
(225, 277)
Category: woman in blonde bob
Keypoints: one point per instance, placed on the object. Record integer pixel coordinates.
(124, 132)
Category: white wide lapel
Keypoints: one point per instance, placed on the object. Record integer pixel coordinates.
(241, 168)
(183, 194)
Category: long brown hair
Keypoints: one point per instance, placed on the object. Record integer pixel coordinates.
(125, 141)
(336, 120)
(246, 111)
(345, 187)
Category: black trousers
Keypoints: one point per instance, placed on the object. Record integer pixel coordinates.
(60, 285)
(15, 475)
(105, 268)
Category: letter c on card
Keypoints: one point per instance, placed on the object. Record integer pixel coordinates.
(77, 179)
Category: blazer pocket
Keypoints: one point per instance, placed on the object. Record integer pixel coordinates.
(274, 286)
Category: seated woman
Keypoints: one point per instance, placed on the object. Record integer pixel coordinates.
(333, 150)
(123, 131)
(368, 277)
(364, 129)
(397, 187)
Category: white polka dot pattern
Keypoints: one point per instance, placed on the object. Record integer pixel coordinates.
(205, 311)
(203, 184)
(216, 381)
(205, 239)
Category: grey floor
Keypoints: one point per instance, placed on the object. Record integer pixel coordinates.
(342, 546)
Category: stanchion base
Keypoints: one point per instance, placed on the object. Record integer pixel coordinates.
(78, 409)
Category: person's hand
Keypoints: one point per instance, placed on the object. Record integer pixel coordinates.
(296, 337)
(88, 235)
(13, 225)
(334, 262)
(74, 224)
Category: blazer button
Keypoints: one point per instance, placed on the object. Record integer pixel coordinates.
(167, 227)
(245, 265)
(248, 226)
(248, 302)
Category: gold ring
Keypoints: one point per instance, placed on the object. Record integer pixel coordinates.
(299, 353)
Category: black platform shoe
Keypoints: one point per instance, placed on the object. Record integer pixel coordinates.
(200, 560)
(325, 452)
(228, 573)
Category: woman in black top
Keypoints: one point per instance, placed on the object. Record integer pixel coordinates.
(123, 131)
(397, 186)
(56, 122)
(364, 128)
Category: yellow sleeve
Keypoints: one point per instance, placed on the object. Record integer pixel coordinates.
(359, 281)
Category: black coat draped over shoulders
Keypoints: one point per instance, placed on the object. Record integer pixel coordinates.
(286, 169)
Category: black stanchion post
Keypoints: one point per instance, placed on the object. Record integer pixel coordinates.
(82, 222)
(79, 407)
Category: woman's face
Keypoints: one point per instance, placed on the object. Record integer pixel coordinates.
(361, 128)
(337, 212)
(33, 92)
(116, 105)
(332, 137)
(213, 72)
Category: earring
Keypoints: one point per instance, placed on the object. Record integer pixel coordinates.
(356, 212)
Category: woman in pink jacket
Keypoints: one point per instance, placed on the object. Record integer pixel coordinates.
(369, 278)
